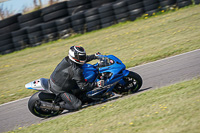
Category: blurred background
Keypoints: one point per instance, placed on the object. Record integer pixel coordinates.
(11, 7)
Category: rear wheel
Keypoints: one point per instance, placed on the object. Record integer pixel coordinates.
(34, 105)
(133, 83)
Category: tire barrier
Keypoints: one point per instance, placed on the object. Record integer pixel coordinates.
(98, 3)
(151, 6)
(106, 14)
(75, 6)
(10, 24)
(167, 4)
(74, 16)
(63, 26)
(183, 3)
(196, 2)
(121, 11)
(6, 44)
(92, 19)
(136, 9)
(49, 31)
(78, 22)
(20, 38)
(30, 19)
(7, 26)
(35, 35)
(55, 11)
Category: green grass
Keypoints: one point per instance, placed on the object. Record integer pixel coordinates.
(137, 42)
(168, 109)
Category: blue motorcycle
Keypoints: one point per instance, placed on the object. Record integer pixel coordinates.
(109, 70)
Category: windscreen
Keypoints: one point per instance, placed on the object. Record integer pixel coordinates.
(104, 61)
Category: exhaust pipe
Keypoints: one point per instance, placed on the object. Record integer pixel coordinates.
(50, 106)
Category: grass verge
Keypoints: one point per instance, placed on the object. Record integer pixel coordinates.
(135, 43)
(169, 109)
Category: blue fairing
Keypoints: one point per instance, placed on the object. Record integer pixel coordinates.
(90, 72)
(107, 64)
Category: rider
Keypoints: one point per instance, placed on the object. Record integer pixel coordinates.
(68, 77)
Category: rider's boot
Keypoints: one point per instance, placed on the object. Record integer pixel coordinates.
(68, 107)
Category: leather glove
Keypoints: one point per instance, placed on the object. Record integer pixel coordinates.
(97, 54)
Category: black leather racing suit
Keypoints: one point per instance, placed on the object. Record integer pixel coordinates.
(66, 79)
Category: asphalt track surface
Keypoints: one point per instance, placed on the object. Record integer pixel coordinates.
(155, 74)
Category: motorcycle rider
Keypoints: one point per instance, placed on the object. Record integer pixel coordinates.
(68, 78)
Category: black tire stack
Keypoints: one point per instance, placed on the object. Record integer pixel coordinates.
(166, 4)
(136, 9)
(121, 11)
(54, 11)
(35, 35)
(9, 24)
(30, 19)
(98, 3)
(63, 26)
(78, 22)
(74, 6)
(106, 14)
(92, 19)
(183, 3)
(49, 31)
(20, 38)
(6, 27)
(196, 2)
(151, 6)
(6, 44)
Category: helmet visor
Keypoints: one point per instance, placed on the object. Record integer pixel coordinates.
(82, 57)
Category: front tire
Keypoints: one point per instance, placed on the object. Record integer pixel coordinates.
(34, 105)
(133, 83)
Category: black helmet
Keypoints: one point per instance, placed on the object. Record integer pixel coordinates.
(77, 54)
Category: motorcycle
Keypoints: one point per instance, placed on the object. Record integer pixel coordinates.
(109, 70)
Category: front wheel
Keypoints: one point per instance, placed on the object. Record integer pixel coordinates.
(133, 83)
(34, 105)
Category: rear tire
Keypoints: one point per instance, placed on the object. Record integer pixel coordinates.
(33, 105)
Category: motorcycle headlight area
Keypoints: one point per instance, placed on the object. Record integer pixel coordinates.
(105, 75)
